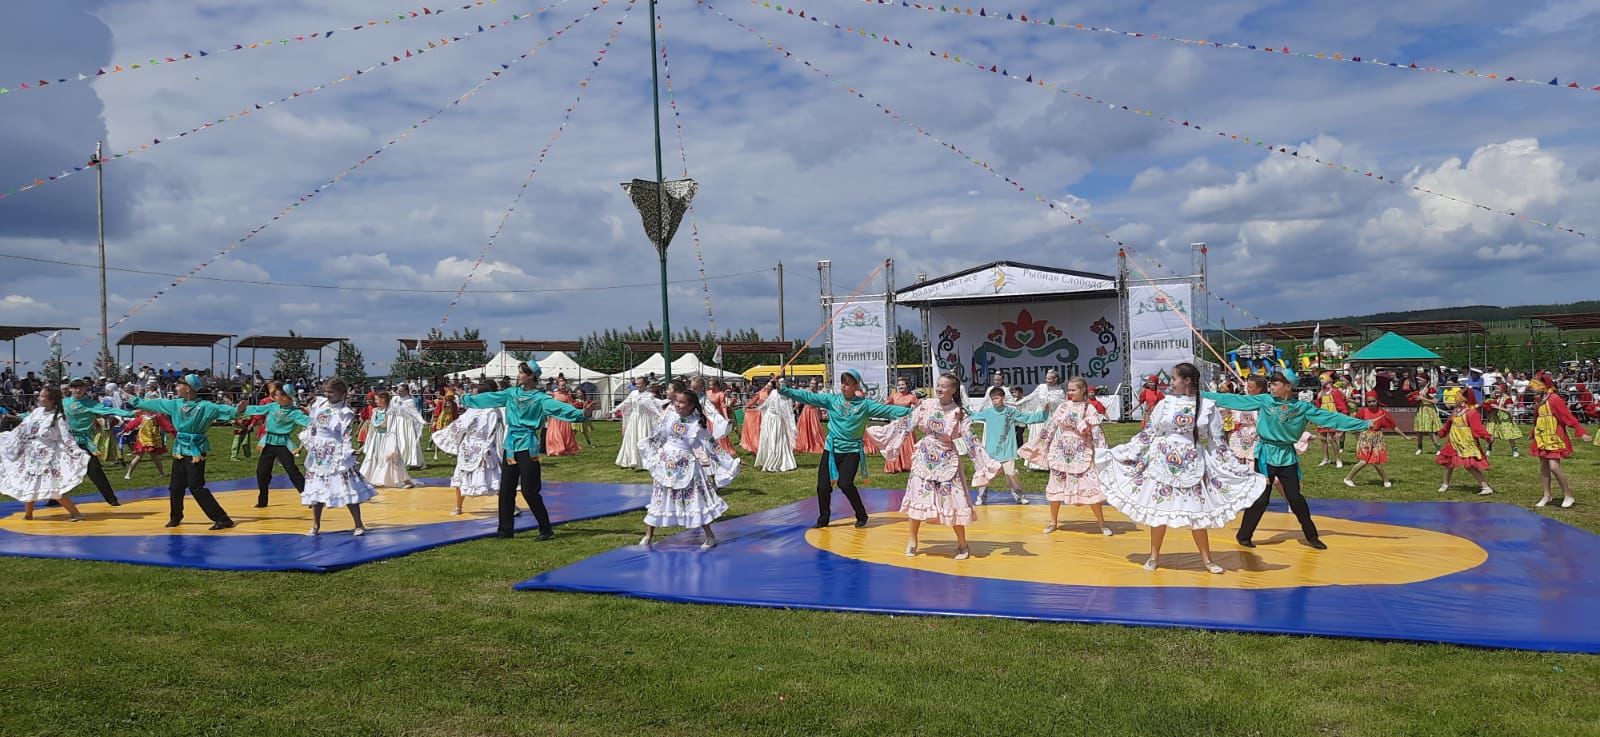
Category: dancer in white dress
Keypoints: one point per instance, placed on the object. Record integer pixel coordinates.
(1178, 471)
(406, 423)
(686, 468)
(1045, 398)
(474, 439)
(331, 476)
(937, 491)
(40, 460)
(384, 464)
(1067, 444)
(638, 414)
(776, 449)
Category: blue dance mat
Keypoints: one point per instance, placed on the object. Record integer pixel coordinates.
(400, 522)
(1488, 575)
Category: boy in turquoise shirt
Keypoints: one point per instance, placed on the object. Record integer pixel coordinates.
(1002, 424)
(193, 420)
(842, 454)
(81, 416)
(526, 409)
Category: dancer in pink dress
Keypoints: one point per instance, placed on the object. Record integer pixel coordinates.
(1066, 444)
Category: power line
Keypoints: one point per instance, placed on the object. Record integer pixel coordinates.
(345, 288)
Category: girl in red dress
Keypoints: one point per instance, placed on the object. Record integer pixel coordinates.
(750, 432)
(901, 397)
(808, 429)
(1332, 400)
(149, 431)
(1463, 433)
(559, 438)
(1550, 442)
(717, 395)
(1370, 448)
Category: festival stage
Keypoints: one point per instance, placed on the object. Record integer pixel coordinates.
(399, 522)
(1488, 575)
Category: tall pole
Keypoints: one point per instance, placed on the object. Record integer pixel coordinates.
(780, 301)
(100, 218)
(661, 194)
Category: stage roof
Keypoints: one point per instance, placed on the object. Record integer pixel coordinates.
(1305, 332)
(564, 346)
(12, 332)
(1429, 327)
(287, 342)
(172, 340)
(1007, 281)
(445, 345)
(1580, 321)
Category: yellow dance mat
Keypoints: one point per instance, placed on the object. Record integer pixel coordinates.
(1007, 542)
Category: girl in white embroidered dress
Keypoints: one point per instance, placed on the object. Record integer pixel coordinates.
(1066, 445)
(474, 439)
(331, 476)
(39, 459)
(686, 468)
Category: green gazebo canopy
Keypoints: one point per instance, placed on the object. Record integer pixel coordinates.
(1393, 348)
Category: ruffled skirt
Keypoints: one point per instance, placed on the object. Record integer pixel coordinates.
(1074, 488)
(38, 471)
(691, 506)
(331, 477)
(1226, 488)
(944, 502)
(1449, 458)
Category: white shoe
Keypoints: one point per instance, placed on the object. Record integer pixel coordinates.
(1419, 451)
(1050, 528)
(1150, 563)
(1568, 502)
(911, 550)
(1388, 484)
(1339, 463)
(127, 477)
(1018, 498)
(983, 498)
(646, 540)
(1213, 567)
(359, 531)
(1485, 491)
(1105, 531)
(1444, 487)
(1515, 454)
(1323, 463)
(314, 531)
(1545, 502)
(963, 554)
(1349, 483)
(708, 544)
(455, 513)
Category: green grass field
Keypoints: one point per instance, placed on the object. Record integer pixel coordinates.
(438, 644)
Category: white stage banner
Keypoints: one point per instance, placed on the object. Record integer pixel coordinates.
(1157, 329)
(1023, 341)
(861, 342)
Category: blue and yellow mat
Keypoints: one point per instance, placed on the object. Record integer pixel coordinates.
(1489, 575)
(399, 522)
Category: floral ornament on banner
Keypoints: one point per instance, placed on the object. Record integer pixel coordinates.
(483, 254)
(260, 106)
(924, 132)
(1174, 121)
(177, 57)
(285, 212)
(1273, 50)
(683, 154)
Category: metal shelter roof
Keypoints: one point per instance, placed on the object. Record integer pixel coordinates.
(412, 344)
(1305, 332)
(287, 342)
(1579, 321)
(12, 332)
(1429, 327)
(172, 340)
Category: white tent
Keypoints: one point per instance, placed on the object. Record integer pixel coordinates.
(689, 364)
(561, 364)
(652, 365)
(502, 366)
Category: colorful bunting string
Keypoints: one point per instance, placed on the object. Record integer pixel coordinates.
(285, 212)
(930, 135)
(483, 254)
(1173, 120)
(258, 107)
(683, 153)
(1274, 50)
(115, 70)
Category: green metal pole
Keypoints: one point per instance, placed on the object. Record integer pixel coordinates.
(661, 193)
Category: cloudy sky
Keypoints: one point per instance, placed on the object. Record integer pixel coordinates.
(791, 167)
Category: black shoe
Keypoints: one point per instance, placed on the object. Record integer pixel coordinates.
(113, 501)
(861, 522)
(819, 524)
(174, 522)
(504, 535)
(1245, 541)
(223, 525)
(262, 504)
(1317, 543)
(543, 536)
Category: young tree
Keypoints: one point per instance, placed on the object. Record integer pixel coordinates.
(350, 365)
(291, 364)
